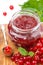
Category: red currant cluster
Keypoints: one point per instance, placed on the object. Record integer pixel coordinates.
(21, 60)
(28, 60)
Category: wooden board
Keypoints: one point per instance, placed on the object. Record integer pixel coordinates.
(5, 60)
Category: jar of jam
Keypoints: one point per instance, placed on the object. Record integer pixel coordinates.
(24, 29)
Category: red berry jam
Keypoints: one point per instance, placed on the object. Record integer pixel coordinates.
(24, 28)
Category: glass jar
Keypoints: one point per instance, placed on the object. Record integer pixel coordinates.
(24, 36)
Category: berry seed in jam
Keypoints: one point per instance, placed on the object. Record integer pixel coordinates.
(24, 28)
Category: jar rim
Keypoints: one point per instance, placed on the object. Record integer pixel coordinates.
(26, 30)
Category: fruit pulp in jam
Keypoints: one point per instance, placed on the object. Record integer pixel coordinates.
(24, 23)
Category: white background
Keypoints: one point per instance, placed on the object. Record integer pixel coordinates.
(4, 7)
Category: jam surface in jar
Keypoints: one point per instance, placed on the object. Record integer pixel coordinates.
(21, 30)
(25, 22)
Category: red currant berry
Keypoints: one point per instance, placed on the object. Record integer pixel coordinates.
(28, 63)
(13, 58)
(35, 49)
(20, 62)
(34, 62)
(39, 45)
(17, 55)
(8, 51)
(25, 58)
(11, 7)
(4, 13)
(29, 58)
(36, 58)
(31, 49)
(41, 60)
(21, 58)
(16, 60)
(41, 50)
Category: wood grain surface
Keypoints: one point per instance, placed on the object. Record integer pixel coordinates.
(5, 60)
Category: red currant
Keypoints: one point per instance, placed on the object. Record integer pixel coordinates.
(41, 50)
(36, 58)
(17, 55)
(31, 49)
(21, 58)
(34, 62)
(29, 58)
(4, 13)
(34, 49)
(8, 51)
(16, 60)
(13, 58)
(11, 7)
(39, 45)
(25, 58)
(41, 60)
(20, 62)
(28, 63)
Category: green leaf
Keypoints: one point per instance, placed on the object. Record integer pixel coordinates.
(22, 51)
(34, 5)
(31, 53)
